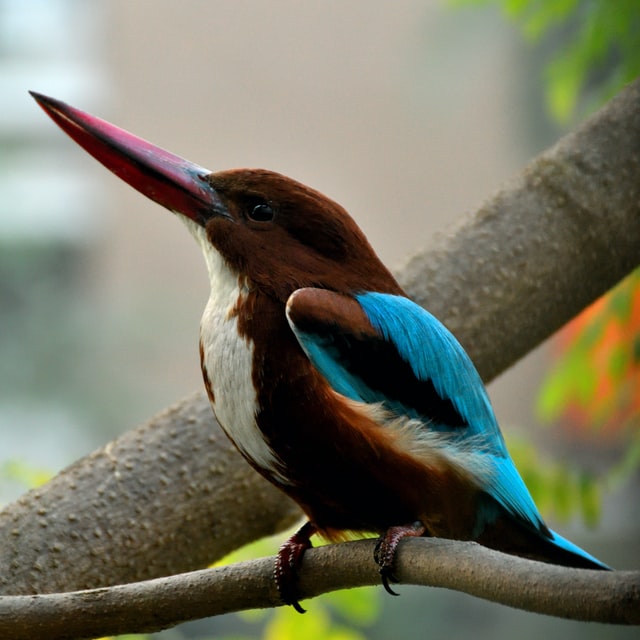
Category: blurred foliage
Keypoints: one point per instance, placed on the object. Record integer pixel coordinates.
(23, 473)
(20, 475)
(559, 491)
(592, 47)
(592, 389)
(596, 382)
(594, 385)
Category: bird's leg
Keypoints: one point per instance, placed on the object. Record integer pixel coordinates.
(288, 563)
(385, 551)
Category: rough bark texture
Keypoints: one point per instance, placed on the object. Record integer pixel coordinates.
(170, 496)
(173, 495)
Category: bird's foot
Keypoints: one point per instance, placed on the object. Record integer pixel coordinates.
(288, 563)
(385, 551)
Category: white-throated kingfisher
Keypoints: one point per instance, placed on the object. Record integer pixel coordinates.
(335, 386)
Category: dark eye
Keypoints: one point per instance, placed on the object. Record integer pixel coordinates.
(262, 212)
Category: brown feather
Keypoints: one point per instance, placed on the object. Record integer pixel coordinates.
(342, 464)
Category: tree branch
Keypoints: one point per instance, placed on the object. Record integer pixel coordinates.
(174, 496)
(595, 596)
(555, 238)
(171, 496)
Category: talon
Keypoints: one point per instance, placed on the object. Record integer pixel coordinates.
(385, 552)
(288, 562)
(387, 576)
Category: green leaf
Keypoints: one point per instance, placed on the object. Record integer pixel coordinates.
(515, 8)
(24, 473)
(552, 397)
(564, 75)
(555, 487)
(597, 53)
(585, 384)
(540, 17)
(619, 362)
(621, 300)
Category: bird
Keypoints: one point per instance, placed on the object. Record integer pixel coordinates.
(331, 382)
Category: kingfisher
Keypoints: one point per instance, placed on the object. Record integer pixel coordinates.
(334, 385)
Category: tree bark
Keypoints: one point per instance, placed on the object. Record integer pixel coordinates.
(594, 596)
(173, 495)
(170, 496)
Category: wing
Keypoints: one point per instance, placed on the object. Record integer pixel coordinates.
(383, 348)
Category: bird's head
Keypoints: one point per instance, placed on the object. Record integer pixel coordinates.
(275, 233)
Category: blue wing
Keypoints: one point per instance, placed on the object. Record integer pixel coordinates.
(382, 348)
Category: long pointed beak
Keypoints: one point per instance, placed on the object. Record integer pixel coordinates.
(168, 179)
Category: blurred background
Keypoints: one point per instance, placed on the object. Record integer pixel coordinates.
(407, 113)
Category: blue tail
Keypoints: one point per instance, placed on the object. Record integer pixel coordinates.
(576, 552)
(505, 532)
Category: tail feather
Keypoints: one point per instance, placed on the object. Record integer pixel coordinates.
(576, 552)
(511, 536)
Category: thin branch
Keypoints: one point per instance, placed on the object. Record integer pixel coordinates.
(596, 596)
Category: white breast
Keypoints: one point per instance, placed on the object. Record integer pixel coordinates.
(228, 361)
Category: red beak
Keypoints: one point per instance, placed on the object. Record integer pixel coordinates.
(169, 180)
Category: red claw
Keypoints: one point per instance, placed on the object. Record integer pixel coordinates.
(385, 552)
(288, 563)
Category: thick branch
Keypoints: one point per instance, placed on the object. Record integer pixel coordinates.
(173, 496)
(558, 236)
(170, 496)
(596, 596)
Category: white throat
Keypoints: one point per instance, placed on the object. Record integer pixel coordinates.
(228, 360)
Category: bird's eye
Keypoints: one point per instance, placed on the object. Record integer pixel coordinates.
(262, 212)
